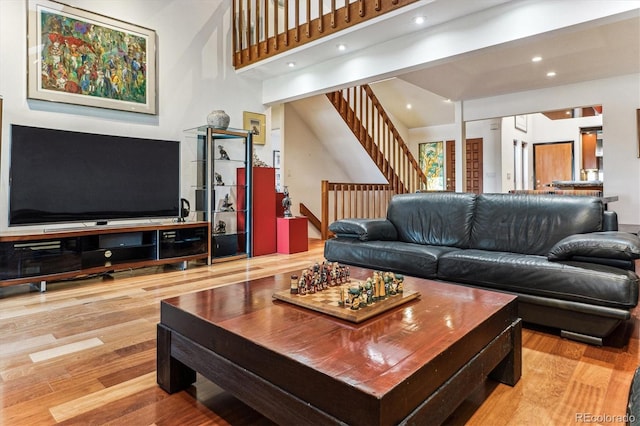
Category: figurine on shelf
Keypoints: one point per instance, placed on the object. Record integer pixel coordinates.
(223, 153)
(221, 227)
(286, 203)
(257, 162)
(227, 205)
(218, 178)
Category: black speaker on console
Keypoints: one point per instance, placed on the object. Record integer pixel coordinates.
(185, 209)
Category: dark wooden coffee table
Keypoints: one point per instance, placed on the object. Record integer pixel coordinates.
(412, 364)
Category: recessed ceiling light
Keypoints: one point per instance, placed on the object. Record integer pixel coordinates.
(418, 20)
(551, 74)
(409, 106)
(342, 47)
(291, 64)
(536, 59)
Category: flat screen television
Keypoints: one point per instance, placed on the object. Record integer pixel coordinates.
(64, 176)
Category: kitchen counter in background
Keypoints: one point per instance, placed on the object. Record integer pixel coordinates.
(578, 184)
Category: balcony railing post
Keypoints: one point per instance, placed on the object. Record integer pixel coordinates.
(266, 26)
(252, 23)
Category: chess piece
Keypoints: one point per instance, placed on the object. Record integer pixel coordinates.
(354, 295)
(400, 286)
(368, 287)
(302, 285)
(223, 153)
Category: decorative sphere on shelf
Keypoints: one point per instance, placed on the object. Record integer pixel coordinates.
(218, 119)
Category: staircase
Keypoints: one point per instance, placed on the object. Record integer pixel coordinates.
(370, 124)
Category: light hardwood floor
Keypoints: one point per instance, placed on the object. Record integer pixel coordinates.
(84, 353)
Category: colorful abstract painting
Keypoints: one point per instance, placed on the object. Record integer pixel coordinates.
(90, 59)
(431, 159)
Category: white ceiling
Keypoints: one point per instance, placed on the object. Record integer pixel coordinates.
(576, 55)
(598, 49)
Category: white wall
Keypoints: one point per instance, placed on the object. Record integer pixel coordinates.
(498, 136)
(619, 97)
(306, 162)
(547, 130)
(488, 130)
(541, 129)
(195, 76)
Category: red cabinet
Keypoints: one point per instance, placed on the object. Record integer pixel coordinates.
(263, 211)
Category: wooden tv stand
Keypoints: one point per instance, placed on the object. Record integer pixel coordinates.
(42, 256)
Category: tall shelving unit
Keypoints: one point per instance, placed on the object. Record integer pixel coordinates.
(221, 198)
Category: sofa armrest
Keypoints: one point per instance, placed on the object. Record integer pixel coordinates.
(365, 229)
(610, 244)
(609, 221)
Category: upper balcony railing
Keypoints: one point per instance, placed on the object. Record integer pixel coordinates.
(265, 28)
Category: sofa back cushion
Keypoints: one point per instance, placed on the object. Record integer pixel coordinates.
(532, 224)
(433, 218)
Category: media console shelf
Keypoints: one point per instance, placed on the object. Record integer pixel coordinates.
(44, 256)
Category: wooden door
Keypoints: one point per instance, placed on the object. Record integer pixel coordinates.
(450, 161)
(552, 161)
(474, 168)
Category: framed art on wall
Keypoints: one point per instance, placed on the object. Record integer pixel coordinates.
(431, 159)
(256, 123)
(83, 58)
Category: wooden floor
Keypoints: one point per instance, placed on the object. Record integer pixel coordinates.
(84, 353)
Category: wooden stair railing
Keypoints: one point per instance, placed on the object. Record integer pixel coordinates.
(265, 28)
(349, 200)
(313, 219)
(364, 115)
(362, 112)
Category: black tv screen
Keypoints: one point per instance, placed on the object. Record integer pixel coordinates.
(64, 176)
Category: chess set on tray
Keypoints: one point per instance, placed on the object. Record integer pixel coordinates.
(327, 287)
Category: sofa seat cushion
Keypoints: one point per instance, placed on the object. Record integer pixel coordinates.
(406, 258)
(595, 284)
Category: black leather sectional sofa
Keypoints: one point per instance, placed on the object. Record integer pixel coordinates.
(562, 255)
